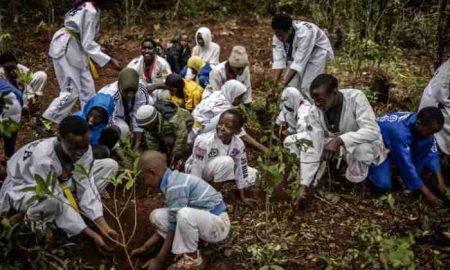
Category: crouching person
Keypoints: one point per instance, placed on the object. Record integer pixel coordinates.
(166, 127)
(193, 210)
(409, 137)
(341, 124)
(129, 95)
(98, 113)
(58, 156)
(291, 119)
(220, 156)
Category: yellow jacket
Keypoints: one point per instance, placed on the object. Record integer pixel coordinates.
(192, 95)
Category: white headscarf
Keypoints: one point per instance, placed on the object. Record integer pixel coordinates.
(206, 36)
(291, 98)
(209, 109)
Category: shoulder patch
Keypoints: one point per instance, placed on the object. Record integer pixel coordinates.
(234, 152)
(213, 153)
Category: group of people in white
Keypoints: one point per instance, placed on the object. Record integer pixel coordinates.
(191, 133)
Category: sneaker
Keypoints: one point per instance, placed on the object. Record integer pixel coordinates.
(187, 263)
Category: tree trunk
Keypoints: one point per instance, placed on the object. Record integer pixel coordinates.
(441, 36)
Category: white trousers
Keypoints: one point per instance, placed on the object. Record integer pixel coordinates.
(35, 87)
(316, 66)
(358, 162)
(74, 84)
(192, 225)
(222, 168)
(49, 209)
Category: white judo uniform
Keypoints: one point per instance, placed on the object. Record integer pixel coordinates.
(358, 129)
(39, 157)
(118, 118)
(210, 52)
(70, 60)
(437, 94)
(307, 55)
(294, 109)
(159, 70)
(36, 85)
(212, 160)
(207, 113)
(219, 76)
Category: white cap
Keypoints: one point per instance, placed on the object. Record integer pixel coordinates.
(145, 115)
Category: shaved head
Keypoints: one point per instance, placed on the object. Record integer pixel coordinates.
(153, 160)
(153, 165)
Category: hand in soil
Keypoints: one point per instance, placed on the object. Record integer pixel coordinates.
(331, 149)
(248, 202)
(138, 251)
(102, 247)
(113, 235)
(442, 187)
(153, 264)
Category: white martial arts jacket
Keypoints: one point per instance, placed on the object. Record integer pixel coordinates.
(294, 109)
(39, 157)
(142, 98)
(357, 123)
(161, 70)
(438, 89)
(437, 94)
(84, 20)
(308, 37)
(218, 77)
(208, 146)
(210, 52)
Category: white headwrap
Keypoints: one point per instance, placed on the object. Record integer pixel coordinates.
(209, 109)
(291, 98)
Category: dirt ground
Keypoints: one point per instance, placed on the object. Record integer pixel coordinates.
(323, 229)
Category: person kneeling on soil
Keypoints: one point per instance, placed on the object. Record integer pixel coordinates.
(59, 156)
(207, 113)
(409, 137)
(340, 124)
(235, 68)
(220, 155)
(185, 93)
(291, 119)
(166, 128)
(193, 210)
(129, 95)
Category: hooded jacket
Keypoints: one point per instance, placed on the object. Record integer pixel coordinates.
(408, 151)
(201, 68)
(104, 101)
(210, 52)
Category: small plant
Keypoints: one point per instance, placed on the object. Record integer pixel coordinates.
(386, 199)
(266, 255)
(375, 250)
